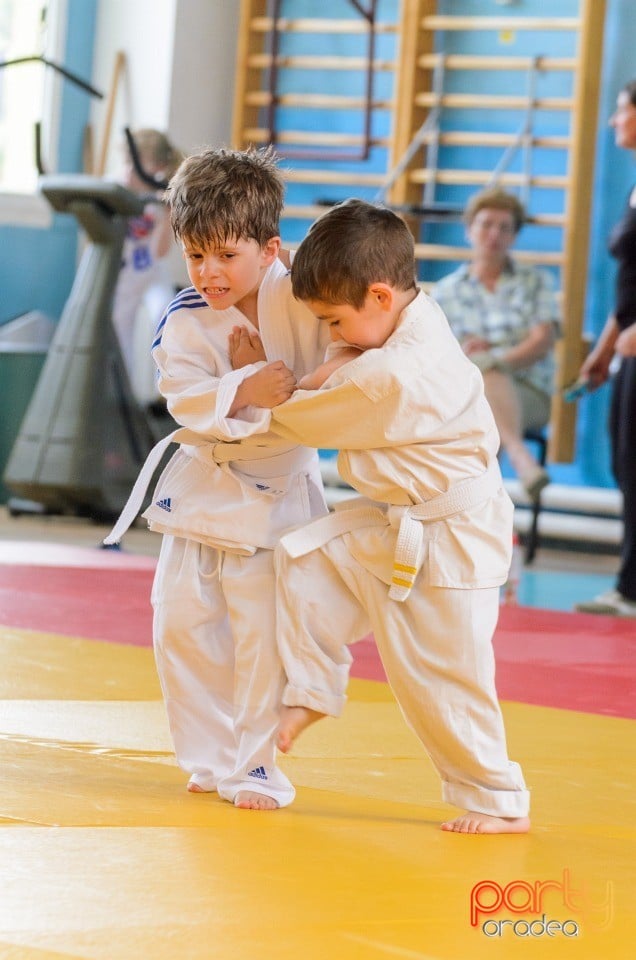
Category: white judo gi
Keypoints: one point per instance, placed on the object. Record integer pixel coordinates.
(420, 562)
(222, 505)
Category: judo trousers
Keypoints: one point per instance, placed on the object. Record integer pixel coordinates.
(436, 648)
(222, 680)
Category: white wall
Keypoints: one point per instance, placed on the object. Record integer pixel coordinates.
(143, 30)
(180, 64)
(204, 64)
(178, 76)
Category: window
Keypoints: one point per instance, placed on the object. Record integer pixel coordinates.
(29, 94)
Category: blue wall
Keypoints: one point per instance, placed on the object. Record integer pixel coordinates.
(37, 266)
(335, 82)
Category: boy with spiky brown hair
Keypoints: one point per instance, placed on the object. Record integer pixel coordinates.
(230, 489)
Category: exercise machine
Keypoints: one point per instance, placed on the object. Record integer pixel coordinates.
(85, 436)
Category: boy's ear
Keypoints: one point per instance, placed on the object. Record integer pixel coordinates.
(382, 293)
(270, 250)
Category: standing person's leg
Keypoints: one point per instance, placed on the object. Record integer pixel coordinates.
(620, 601)
(623, 433)
(437, 651)
(194, 653)
(124, 323)
(255, 781)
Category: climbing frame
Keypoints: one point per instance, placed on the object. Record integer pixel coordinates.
(402, 103)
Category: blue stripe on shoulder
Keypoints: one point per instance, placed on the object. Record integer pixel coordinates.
(186, 299)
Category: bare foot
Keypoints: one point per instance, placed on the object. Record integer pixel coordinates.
(471, 822)
(293, 720)
(248, 800)
(195, 788)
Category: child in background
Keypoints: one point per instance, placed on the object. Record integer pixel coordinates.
(144, 285)
(222, 503)
(421, 566)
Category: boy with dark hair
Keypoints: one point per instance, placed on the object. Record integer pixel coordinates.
(420, 561)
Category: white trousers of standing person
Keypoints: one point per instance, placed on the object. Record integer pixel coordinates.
(219, 667)
(436, 648)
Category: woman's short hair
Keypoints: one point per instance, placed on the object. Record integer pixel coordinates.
(494, 198)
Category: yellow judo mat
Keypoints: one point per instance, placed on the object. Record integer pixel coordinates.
(105, 856)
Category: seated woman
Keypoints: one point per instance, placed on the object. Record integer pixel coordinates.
(506, 317)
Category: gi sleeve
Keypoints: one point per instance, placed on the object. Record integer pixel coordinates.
(197, 394)
(343, 417)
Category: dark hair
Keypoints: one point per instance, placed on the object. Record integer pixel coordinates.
(494, 198)
(352, 246)
(630, 90)
(220, 194)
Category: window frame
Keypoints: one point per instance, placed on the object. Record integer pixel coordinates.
(31, 209)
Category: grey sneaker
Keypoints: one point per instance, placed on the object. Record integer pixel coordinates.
(611, 603)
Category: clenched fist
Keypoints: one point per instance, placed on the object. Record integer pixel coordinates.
(268, 387)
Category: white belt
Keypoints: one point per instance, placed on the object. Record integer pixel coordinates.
(260, 460)
(409, 552)
(237, 452)
(409, 548)
(348, 516)
(138, 492)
